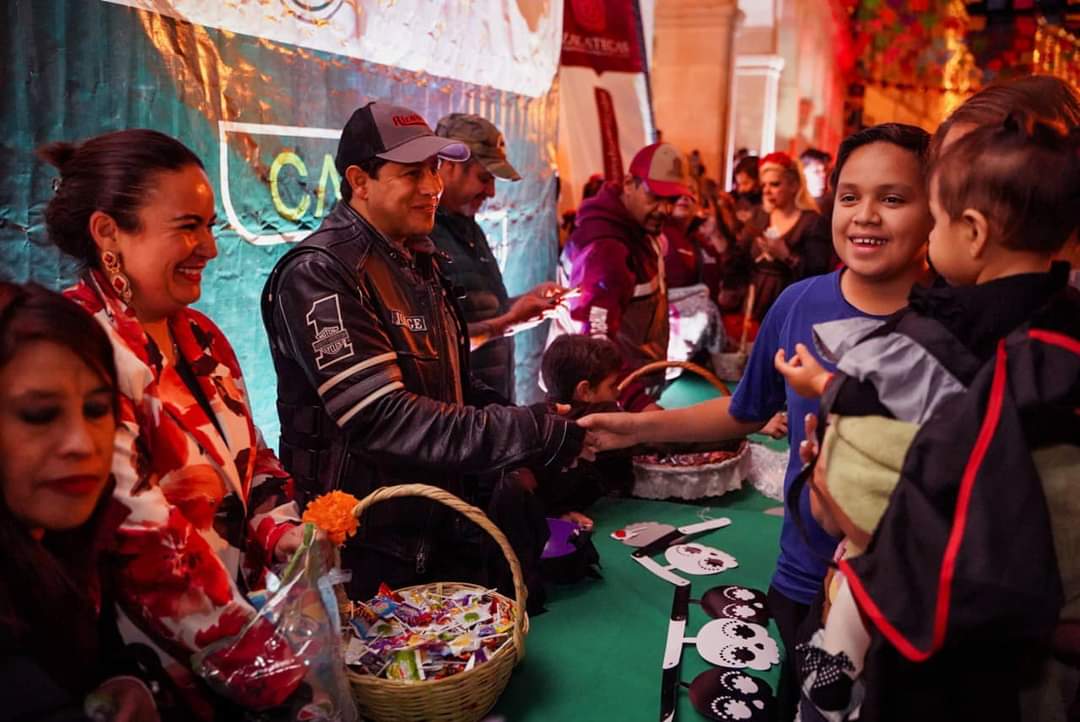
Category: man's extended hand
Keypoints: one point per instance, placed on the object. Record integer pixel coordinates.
(528, 306)
(548, 290)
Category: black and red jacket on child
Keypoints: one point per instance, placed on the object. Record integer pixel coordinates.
(976, 560)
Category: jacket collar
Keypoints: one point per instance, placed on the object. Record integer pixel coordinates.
(417, 254)
(221, 446)
(980, 315)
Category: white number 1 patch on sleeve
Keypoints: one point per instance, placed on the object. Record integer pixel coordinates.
(332, 343)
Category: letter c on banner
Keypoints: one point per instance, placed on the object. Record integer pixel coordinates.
(283, 159)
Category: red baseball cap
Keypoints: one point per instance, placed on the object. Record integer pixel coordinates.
(663, 169)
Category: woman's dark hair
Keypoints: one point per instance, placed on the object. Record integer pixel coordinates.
(747, 166)
(1022, 174)
(1050, 99)
(111, 173)
(47, 589)
(32, 313)
(909, 137)
(571, 359)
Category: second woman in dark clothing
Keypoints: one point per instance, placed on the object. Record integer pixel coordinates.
(58, 641)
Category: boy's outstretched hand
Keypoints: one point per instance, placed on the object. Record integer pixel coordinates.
(612, 430)
(803, 372)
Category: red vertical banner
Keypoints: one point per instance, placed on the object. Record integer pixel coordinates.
(609, 136)
(602, 35)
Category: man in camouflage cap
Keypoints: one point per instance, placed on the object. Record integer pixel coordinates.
(489, 309)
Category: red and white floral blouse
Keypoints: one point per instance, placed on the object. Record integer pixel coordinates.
(207, 501)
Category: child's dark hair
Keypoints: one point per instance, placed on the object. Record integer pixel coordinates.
(1023, 174)
(571, 359)
(110, 173)
(1047, 97)
(909, 137)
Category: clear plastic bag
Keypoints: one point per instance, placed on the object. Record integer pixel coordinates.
(286, 663)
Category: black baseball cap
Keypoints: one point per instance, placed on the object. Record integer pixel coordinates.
(394, 133)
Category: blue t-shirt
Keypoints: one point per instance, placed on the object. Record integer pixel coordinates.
(762, 392)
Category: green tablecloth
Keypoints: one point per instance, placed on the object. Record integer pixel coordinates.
(596, 654)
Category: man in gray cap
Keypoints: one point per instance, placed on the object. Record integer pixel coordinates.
(470, 265)
(371, 355)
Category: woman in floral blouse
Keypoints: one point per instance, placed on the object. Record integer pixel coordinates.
(209, 504)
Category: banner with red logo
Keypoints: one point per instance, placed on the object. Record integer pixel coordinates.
(602, 35)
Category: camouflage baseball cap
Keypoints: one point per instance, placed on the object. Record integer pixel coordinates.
(484, 140)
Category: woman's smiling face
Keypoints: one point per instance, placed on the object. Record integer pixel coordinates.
(165, 257)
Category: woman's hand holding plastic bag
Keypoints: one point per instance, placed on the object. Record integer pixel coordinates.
(289, 655)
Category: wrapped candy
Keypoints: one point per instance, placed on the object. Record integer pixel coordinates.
(420, 634)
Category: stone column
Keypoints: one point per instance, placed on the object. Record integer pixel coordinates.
(757, 88)
(691, 77)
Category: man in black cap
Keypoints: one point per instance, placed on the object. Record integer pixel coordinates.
(371, 355)
(470, 264)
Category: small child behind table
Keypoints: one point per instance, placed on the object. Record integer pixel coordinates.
(583, 372)
(1004, 201)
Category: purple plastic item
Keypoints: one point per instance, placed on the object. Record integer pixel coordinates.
(559, 543)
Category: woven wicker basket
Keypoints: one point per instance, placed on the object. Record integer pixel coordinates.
(464, 697)
(662, 481)
(655, 366)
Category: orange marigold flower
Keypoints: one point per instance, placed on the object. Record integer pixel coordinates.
(333, 513)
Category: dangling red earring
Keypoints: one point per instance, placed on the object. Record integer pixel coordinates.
(111, 263)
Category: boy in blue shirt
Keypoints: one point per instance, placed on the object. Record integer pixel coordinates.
(880, 224)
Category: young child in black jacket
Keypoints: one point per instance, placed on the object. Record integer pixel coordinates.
(582, 372)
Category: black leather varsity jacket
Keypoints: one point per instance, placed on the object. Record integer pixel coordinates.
(371, 355)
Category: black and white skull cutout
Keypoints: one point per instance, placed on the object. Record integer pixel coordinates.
(699, 559)
(736, 602)
(642, 533)
(723, 695)
(737, 644)
(719, 694)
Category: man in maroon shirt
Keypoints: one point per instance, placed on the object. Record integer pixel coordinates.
(613, 256)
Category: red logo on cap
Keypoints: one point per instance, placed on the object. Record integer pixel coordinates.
(411, 119)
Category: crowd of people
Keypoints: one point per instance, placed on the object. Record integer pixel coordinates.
(911, 311)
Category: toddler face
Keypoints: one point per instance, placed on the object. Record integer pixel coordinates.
(950, 244)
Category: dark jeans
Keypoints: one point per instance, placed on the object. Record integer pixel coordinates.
(793, 621)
